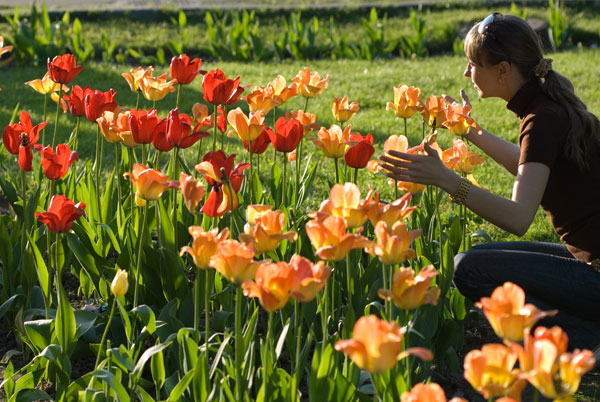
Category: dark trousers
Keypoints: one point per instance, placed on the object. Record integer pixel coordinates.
(550, 277)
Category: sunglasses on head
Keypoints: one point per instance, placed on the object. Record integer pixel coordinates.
(486, 28)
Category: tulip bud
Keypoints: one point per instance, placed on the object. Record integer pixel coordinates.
(119, 284)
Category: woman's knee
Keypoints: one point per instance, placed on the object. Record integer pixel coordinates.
(467, 277)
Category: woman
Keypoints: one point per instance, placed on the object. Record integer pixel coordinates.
(557, 166)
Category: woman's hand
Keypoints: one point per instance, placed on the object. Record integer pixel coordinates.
(463, 96)
(414, 168)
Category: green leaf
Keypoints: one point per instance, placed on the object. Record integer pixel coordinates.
(148, 353)
(30, 395)
(321, 372)
(39, 333)
(65, 321)
(157, 367)
(113, 383)
(122, 357)
(42, 271)
(176, 393)
(126, 321)
(146, 314)
(166, 226)
(8, 303)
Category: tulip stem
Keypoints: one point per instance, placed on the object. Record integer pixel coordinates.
(440, 233)
(60, 94)
(137, 101)
(196, 300)
(239, 389)
(355, 178)
(139, 258)
(405, 130)
(118, 179)
(536, 395)
(251, 181)
(143, 154)
(337, 173)
(175, 177)
(283, 179)
(306, 105)
(223, 133)
(349, 286)
(110, 317)
(215, 118)
(76, 135)
(324, 313)
(267, 363)
(297, 181)
(395, 189)
(24, 216)
(298, 314)
(45, 108)
(207, 291)
(178, 95)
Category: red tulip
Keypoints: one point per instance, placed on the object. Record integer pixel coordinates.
(77, 99)
(97, 102)
(56, 165)
(219, 90)
(178, 130)
(18, 138)
(360, 151)
(144, 125)
(221, 119)
(63, 69)
(287, 135)
(61, 214)
(184, 70)
(260, 144)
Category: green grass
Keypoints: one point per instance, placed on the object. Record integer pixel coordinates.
(369, 83)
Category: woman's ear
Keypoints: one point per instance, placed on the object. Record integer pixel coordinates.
(504, 68)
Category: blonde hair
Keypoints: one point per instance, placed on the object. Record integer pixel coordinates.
(509, 38)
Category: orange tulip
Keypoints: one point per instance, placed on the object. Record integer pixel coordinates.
(333, 141)
(309, 278)
(281, 92)
(407, 101)
(342, 111)
(45, 85)
(410, 292)
(376, 345)
(490, 371)
(458, 121)
(200, 116)
(193, 192)
(329, 238)
(234, 260)
(434, 111)
(398, 210)
(248, 128)
(508, 314)
(156, 88)
(4, 49)
(459, 159)
(115, 127)
(545, 363)
(310, 84)
(204, 245)
(392, 246)
(431, 392)
(254, 211)
(344, 201)
(261, 99)
(265, 234)
(273, 285)
(135, 77)
(149, 183)
(308, 120)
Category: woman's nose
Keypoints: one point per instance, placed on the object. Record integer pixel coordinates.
(467, 72)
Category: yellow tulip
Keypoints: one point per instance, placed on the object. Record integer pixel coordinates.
(342, 111)
(344, 201)
(407, 101)
(149, 183)
(272, 285)
(204, 245)
(490, 371)
(310, 84)
(266, 232)
(119, 285)
(234, 260)
(434, 111)
(282, 92)
(308, 120)
(508, 314)
(409, 292)
(156, 88)
(392, 246)
(135, 77)
(45, 85)
(458, 121)
(376, 345)
(248, 128)
(333, 141)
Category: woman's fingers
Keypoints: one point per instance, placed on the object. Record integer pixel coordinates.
(464, 97)
(401, 155)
